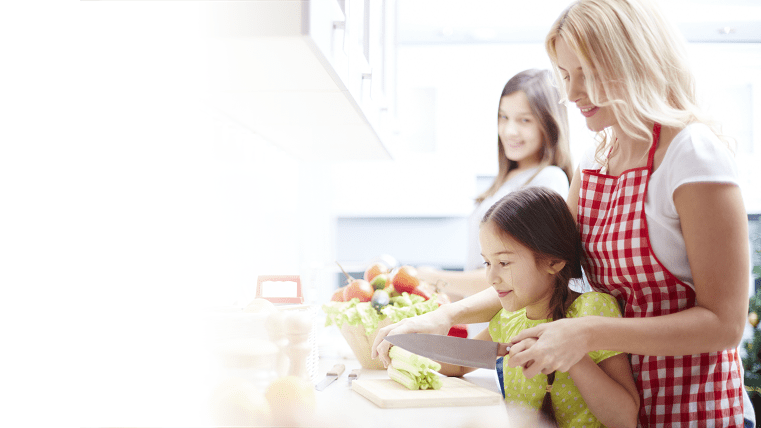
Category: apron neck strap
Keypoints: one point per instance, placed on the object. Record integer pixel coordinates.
(654, 146)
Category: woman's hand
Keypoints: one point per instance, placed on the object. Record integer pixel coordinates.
(436, 322)
(558, 345)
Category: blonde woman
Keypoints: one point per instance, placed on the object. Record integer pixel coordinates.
(661, 218)
(532, 150)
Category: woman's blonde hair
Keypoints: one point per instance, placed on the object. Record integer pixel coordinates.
(544, 99)
(639, 60)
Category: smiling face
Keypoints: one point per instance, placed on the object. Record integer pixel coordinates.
(519, 130)
(598, 117)
(520, 280)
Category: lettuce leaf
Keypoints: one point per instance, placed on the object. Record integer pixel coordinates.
(356, 313)
(419, 306)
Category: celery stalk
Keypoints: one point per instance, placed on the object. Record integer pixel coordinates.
(421, 370)
(406, 366)
(406, 380)
(397, 353)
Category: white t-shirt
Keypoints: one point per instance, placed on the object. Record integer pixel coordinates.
(694, 155)
(551, 177)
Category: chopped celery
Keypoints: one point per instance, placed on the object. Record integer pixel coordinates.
(407, 380)
(413, 371)
(398, 353)
(405, 366)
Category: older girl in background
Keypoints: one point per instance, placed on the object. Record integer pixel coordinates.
(532, 150)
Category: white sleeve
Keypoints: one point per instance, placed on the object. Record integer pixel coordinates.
(695, 155)
(553, 178)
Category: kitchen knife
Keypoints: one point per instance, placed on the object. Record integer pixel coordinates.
(453, 350)
(331, 376)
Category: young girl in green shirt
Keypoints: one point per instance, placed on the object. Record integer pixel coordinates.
(532, 250)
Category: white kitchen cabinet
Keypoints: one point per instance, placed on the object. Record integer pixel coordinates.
(311, 76)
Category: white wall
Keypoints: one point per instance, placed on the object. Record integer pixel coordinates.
(729, 83)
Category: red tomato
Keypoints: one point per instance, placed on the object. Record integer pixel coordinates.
(406, 279)
(338, 295)
(421, 291)
(374, 270)
(360, 289)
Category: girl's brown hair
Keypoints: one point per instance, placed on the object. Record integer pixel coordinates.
(539, 219)
(552, 117)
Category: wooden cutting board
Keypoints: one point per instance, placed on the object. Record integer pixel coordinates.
(388, 394)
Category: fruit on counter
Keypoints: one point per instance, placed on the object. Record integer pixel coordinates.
(291, 400)
(381, 281)
(374, 270)
(413, 371)
(422, 291)
(360, 289)
(338, 295)
(405, 279)
(391, 291)
(402, 280)
(237, 402)
(458, 330)
(380, 300)
(427, 291)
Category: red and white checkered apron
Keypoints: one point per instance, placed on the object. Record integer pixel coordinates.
(686, 391)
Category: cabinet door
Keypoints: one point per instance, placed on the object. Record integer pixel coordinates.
(327, 30)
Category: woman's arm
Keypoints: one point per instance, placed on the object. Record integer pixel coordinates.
(457, 371)
(608, 389)
(459, 284)
(480, 307)
(715, 228)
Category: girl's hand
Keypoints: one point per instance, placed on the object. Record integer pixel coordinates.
(558, 345)
(435, 322)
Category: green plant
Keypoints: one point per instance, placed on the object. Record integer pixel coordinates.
(752, 359)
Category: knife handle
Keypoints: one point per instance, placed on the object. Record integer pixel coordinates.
(336, 370)
(354, 374)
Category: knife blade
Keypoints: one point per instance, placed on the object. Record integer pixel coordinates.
(453, 350)
(331, 376)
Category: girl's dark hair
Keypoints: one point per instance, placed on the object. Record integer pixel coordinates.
(539, 219)
(544, 100)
